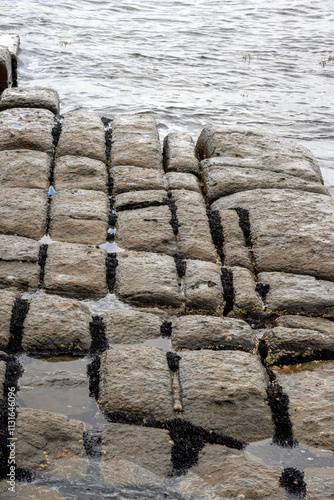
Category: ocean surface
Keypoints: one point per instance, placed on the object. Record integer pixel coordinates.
(263, 65)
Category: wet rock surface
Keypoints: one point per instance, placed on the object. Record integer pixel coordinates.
(30, 98)
(129, 326)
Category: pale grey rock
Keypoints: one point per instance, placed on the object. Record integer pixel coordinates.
(298, 294)
(21, 275)
(127, 473)
(56, 324)
(179, 153)
(284, 344)
(33, 492)
(253, 149)
(224, 179)
(202, 286)
(225, 392)
(76, 270)
(181, 180)
(7, 301)
(12, 42)
(79, 216)
(23, 212)
(135, 141)
(82, 134)
(145, 278)
(135, 199)
(135, 382)
(147, 230)
(129, 178)
(2, 377)
(129, 326)
(212, 332)
(148, 448)
(77, 172)
(246, 299)
(291, 231)
(310, 387)
(325, 326)
(194, 235)
(236, 474)
(18, 248)
(320, 484)
(235, 251)
(6, 78)
(23, 128)
(21, 168)
(27, 97)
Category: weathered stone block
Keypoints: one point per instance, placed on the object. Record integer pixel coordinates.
(259, 151)
(67, 325)
(76, 270)
(320, 483)
(310, 388)
(144, 278)
(246, 299)
(135, 382)
(290, 231)
(211, 332)
(222, 179)
(23, 128)
(235, 251)
(147, 230)
(202, 286)
(18, 248)
(24, 169)
(146, 447)
(48, 442)
(180, 180)
(221, 391)
(195, 241)
(126, 473)
(77, 172)
(318, 324)
(128, 178)
(179, 153)
(128, 326)
(79, 216)
(30, 98)
(135, 141)
(82, 134)
(2, 377)
(23, 212)
(12, 43)
(6, 78)
(21, 275)
(7, 301)
(139, 199)
(298, 294)
(236, 474)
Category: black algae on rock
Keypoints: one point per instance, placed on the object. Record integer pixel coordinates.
(181, 265)
(173, 360)
(98, 333)
(279, 404)
(227, 282)
(19, 313)
(93, 443)
(293, 481)
(216, 231)
(166, 329)
(112, 264)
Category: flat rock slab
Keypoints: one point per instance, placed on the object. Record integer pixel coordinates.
(24, 169)
(48, 442)
(6, 78)
(130, 178)
(179, 153)
(79, 216)
(210, 332)
(76, 270)
(77, 172)
(18, 248)
(195, 241)
(30, 98)
(20, 275)
(56, 324)
(146, 447)
(147, 230)
(7, 301)
(238, 475)
(144, 278)
(291, 231)
(310, 388)
(139, 199)
(135, 382)
(221, 391)
(33, 491)
(23, 212)
(82, 134)
(297, 294)
(235, 250)
(285, 344)
(23, 128)
(325, 326)
(129, 326)
(222, 179)
(135, 141)
(320, 484)
(180, 180)
(256, 150)
(202, 286)
(246, 299)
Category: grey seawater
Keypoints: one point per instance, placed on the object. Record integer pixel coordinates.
(264, 65)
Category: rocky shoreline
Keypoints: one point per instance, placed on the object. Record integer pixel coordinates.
(217, 261)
